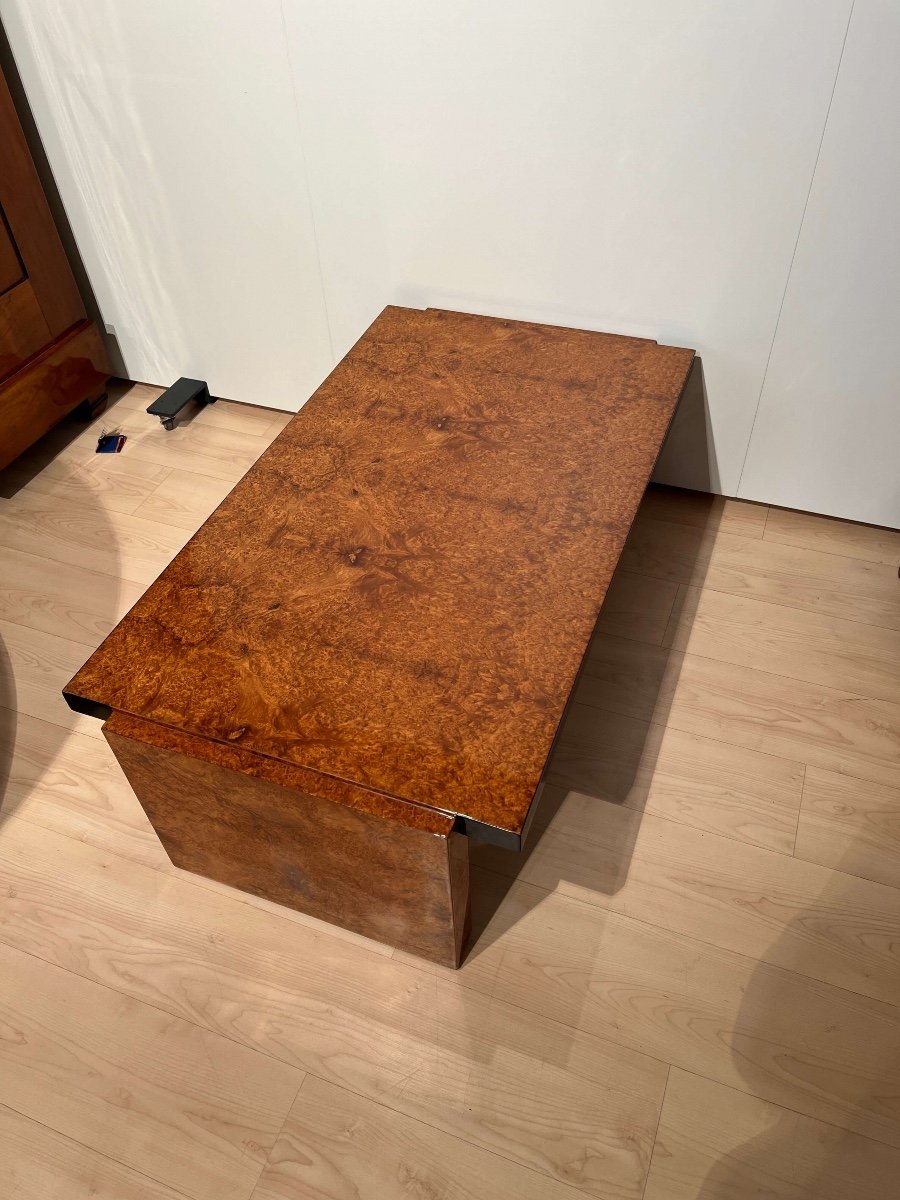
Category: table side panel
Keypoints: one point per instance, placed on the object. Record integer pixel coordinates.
(405, 884)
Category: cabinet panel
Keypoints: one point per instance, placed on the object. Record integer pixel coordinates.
(23, 330)
(51, 357)
(11, 271)
(73, 369)
(31, 223)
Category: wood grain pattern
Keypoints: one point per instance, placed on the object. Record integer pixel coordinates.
(383, 868)
(185, 500)
(851, 825)
(868, 542)
(107, 483)
(193, 446)
(37, 665)
(700, 781)
(11, 270)
(837, 730)
(23, 329)
(717, 1144)
(419, 638)
(638, 607)
(811, 580)
(543, 1061)
(62, 599)
(28, 214)
(776, 1034)
(335, 1145)
(189, 1109)
(478, 1069)
(769, 907)
(814, 647)
(51, 356)
(714, 514)
(37, 1163)
(73, 785)
(118, 544)
(72, 369)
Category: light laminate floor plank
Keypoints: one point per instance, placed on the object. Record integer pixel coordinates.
(37, 1163)
(869, 542)
(512, 1082)
(712, 898)
(823, 1051)
(62, 599)
(767, 906)
(700, 781)
(826, 727)
(185, 499)
(715, 514)
(810, 580)
(336, 1145)
(716, 1144)
(121, 545)
(106, 481)
(851, 825)
(638, 607)
(191, 1109)
(815, 648)
(38, 665)
(222, 414)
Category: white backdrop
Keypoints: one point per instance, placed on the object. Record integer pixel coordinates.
(827, 437)
(250, 183)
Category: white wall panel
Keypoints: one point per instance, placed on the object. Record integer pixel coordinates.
(639, 167)
(172, 134)
(827, 436)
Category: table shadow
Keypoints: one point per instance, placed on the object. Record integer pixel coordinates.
(34, 720)
(648, 675)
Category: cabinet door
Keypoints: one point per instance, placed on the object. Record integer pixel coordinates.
(38, 297)
(11, 269)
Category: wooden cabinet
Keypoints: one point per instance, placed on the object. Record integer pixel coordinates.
(51, 356)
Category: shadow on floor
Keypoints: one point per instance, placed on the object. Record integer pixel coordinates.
(606, 752)
(850, 1076)
(48, 621)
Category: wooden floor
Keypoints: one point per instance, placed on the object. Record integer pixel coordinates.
(688, 988)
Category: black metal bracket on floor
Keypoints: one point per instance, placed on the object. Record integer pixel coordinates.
(178, 396)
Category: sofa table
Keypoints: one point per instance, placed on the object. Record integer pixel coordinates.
(362, 657)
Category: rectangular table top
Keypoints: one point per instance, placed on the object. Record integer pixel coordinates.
(399, 593)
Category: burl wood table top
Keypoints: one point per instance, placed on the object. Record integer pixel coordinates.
(400, 592)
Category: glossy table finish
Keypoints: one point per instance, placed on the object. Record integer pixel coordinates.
(399, 593)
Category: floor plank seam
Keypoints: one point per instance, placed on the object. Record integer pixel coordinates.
(703, 586)
(278, 1136)
(145, 1003)
(819, 1119)
(671, 820)
(799, 815)
(659, 1117)
(559, 966)
(764, 962)
(188, 877)
(456, 1137)
(67, 1137)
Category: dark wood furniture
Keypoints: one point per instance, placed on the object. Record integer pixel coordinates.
(364, 654)
(51, 357)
